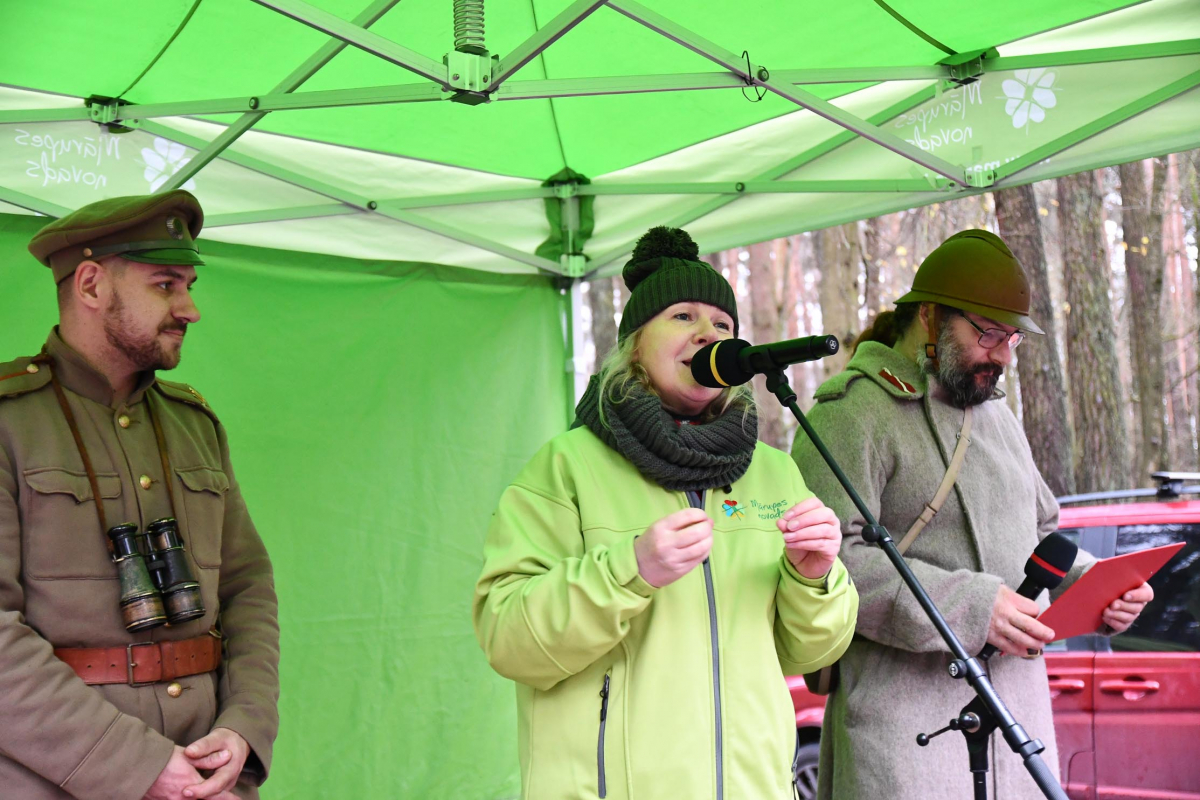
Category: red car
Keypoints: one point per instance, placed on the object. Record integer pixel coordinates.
(1126, 708)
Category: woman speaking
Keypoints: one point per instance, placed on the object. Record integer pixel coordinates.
(653, 573)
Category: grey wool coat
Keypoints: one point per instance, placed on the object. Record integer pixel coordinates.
(894, 440)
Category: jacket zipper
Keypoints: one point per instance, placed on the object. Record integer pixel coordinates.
(697, 501)
(600, 742)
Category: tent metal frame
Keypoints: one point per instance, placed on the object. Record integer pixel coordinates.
(736, 72)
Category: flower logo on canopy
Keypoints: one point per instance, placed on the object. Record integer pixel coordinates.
(1029, 94)
(163, 161)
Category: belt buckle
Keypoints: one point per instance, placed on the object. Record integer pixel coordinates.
(130, 663)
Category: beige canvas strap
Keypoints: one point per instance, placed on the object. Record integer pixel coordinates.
(935, 505)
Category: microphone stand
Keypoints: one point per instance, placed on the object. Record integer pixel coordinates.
(979, 718)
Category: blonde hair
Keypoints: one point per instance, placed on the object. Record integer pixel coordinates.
(620, 372)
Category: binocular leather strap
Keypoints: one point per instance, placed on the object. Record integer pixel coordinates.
(43, 358)
(143, 662)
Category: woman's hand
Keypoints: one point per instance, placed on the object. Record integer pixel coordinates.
(671, 547)
(812, 536)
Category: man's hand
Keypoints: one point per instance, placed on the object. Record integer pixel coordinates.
(812, 536)
(1014, 629)
(1121, 612)
(223, 751)
(178, 777)
(671, 547)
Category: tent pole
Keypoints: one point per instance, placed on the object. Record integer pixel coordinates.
(360, 202)
(1099, 55)
(759, 76)
(323, 56)
(364, 40)
(792, 164)
(576, 380)
(1098, 126)
(528, 50)
(22, 200)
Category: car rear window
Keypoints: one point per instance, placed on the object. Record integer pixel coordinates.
(1171, 621)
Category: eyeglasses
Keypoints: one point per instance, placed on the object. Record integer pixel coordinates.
(992, 337)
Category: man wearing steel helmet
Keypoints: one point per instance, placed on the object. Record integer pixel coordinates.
(99, 703)
(892, 419)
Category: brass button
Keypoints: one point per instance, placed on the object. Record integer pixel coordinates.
(123, 421)
(145, 481)
(32, 369)
(174, 689)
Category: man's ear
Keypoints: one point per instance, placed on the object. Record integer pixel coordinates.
(90, 284)
(923, 314)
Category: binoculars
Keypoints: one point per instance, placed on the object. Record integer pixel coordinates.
(157, 585)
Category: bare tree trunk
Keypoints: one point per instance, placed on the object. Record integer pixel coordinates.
(604, 322)
(838, 257)
(766, 275)
(1039, 367)
(1141, 226)
(1180, 327)
(1101, 457)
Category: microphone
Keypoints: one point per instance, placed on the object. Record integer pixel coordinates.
(1045, 569)
(731, 362)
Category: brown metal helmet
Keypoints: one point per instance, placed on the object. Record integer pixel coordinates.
(975, 271)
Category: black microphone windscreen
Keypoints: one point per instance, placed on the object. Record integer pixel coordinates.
(716, 365)
(1051, 560)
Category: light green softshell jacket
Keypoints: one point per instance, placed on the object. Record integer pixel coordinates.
(619, 694)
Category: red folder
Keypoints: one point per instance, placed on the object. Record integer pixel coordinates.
(1077, 611)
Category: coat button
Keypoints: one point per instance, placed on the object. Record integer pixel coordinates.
(174, 689)
(32, 369)
(145, 481)
(123, 421)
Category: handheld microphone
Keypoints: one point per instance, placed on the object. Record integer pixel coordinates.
(731, 362)
(1045, 569)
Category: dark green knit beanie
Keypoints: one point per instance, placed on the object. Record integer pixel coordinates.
(666, 269)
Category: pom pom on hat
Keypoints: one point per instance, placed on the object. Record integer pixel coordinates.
(666, 269)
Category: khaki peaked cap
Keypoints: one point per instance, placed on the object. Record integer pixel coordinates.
(151, 229)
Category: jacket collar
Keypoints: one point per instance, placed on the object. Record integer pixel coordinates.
(897, 375)
(78, 375)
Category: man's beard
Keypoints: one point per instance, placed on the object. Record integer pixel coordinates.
(965, 384)
(146, 353)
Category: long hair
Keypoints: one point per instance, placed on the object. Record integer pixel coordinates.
(620, 372)
(889, 326)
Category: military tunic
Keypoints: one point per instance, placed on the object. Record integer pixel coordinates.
(893, 440)
(59, 587)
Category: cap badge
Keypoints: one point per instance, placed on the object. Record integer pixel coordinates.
(175, 227)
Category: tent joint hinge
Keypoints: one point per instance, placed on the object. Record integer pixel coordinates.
(106, 111)
(574, 266)
(980, 179)
(966, 68)
(469, 76)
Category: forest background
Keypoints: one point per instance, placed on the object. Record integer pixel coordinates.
(1107, 397)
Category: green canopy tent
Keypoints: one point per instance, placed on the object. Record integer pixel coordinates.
(399, 220)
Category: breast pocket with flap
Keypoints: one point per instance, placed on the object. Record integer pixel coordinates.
(203, 512)
(60, 529)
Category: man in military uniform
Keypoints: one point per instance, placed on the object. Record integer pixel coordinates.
(921, 378)
(90, 438)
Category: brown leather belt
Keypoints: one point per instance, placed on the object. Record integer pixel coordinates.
(143, 663)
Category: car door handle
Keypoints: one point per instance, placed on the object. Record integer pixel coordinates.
(1065, 686)
(1131, 689)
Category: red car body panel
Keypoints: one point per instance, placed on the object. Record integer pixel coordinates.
(1127, 722)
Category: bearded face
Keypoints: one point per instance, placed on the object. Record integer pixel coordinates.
(148, 344)
(967, 382)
